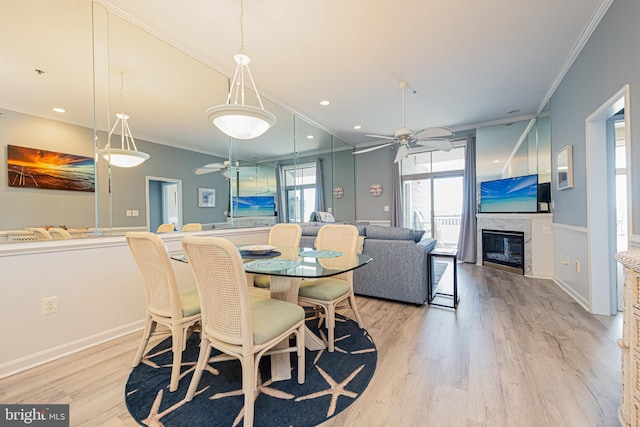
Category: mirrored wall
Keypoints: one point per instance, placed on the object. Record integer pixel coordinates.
(517, 148)
(94, 64)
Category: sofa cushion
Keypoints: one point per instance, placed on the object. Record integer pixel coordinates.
(310, 230)
(393, 233)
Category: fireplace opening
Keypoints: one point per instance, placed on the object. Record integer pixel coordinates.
(503, 250)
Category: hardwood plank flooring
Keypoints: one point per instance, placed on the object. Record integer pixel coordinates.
(517, 352)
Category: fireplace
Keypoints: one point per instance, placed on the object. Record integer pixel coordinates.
(504, 250)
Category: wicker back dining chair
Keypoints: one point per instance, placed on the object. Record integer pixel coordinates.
(192, 226)
(328, 292)
(281, 234)
(165, 228)
(41, 233)
(166, 304)
(59, 233)
(233, 323)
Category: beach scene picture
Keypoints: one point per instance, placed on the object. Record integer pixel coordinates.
(34, 168)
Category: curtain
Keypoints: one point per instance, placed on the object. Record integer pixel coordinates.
(280, 195)
(397, 214)
(319, 186)
(468, 230)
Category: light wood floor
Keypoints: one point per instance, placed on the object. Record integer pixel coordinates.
(518, 352)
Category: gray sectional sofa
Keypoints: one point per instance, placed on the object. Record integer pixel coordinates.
(399, 270)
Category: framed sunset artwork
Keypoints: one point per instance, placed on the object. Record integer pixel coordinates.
(50, 170)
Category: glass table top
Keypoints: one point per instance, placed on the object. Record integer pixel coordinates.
(302, 262)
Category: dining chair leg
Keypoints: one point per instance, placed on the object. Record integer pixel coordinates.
(301, 350)
(203, 359)
(249, 372)
(354, 308)
(177, 340)
(330, 320)
(149, 326)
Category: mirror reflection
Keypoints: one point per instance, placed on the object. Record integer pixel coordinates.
(165, 93)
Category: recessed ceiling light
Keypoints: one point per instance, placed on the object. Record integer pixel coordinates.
(59, 110)
(357, 127)
(496, 161)
(325, 102)
(310, 136)
(513, 111)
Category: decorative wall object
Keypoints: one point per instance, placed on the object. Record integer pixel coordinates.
(375, 189)
(34, 168)
(564, 168)
(338, 192)
(206, 197)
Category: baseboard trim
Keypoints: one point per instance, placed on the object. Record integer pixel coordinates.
(569, 291)
(31, 361)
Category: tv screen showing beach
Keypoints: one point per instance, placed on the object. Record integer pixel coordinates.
(254, 206)
(510, 195)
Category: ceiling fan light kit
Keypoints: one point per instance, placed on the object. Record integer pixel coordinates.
(433, 138)
(234, 118)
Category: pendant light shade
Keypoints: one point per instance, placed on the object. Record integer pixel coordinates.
(234, 118)
(241, 121)
(128, 155)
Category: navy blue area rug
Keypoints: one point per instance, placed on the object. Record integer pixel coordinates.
(333, 382)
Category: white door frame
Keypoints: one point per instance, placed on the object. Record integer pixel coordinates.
(179, 195)
(602, 284)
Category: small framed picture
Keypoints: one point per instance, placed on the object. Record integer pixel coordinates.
(206, 197)
(564, 168)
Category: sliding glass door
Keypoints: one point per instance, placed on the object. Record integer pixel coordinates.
(432, 194)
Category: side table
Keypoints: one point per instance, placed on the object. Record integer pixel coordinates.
(443, 253)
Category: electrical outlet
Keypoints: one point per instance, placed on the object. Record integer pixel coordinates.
(49, 305)
(578, 266)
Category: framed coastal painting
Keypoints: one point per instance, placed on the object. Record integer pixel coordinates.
(206, 197)
(564, 168)
(49, 170)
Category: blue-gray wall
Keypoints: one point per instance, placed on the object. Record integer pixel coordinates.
(373, 167)
(608, 61)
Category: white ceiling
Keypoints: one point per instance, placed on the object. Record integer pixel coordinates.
(466, 62)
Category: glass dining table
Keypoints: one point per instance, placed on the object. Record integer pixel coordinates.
(287, 266)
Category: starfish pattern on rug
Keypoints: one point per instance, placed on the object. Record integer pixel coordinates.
(331, 378)
(153, 419)
(336, 390)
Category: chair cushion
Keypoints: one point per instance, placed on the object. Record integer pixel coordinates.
(261, 281)
(272, 318)
(190, 301)
(325, 289)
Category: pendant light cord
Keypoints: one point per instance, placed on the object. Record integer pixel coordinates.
(241, 25)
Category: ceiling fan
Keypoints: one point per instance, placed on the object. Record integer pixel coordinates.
(434, 138)
(215, 167)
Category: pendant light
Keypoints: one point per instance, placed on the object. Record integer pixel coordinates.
(234, 118)
(127, 155)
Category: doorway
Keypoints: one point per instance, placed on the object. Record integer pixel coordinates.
(164, 202)
(601, 196)
(617, 134)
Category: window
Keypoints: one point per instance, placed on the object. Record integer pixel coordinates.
(432, 185)
(300, 191)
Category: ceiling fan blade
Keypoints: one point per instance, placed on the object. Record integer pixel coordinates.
(436, 144)
(218, 166)
(204, 170)
(381, 136)
(366, 150)
(432, 132)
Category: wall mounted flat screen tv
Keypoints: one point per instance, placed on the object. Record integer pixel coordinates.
(254, 206)
(510, 195)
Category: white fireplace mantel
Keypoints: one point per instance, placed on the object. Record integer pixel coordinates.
(538, 238)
